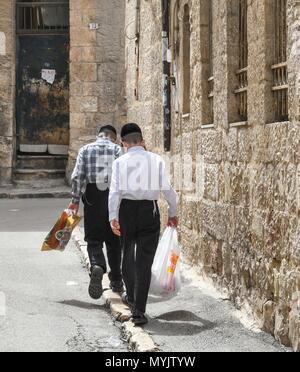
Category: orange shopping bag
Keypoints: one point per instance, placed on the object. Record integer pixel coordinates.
(60, 235)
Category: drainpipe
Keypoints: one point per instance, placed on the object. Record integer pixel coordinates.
(165, 5)
(137, 18)
(137, 46)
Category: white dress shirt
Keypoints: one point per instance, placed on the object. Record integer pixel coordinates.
(140, 175)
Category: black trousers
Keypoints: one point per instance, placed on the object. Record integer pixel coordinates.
(98, 231)
(140, 228)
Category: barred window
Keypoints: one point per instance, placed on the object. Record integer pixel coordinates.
(42, 16)
(242, 73)
(279, 68)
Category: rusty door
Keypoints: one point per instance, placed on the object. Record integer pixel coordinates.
(43, 92)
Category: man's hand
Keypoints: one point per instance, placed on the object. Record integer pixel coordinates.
(74, 207)
(173, 222)
(116, 228)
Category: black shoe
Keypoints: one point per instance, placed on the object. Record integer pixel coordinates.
(117, 287)
(126, 301)
(95, 288)
(139, 318)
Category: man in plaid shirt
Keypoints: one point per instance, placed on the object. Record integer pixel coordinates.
(91, 181)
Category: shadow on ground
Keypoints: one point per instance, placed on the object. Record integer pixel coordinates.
(179, 322)
(82, 305)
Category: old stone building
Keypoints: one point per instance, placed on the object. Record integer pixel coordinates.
(61, 76)
(217, 93)
(232, 73)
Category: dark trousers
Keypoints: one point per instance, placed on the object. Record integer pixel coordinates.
(98, 231)
(140, 228)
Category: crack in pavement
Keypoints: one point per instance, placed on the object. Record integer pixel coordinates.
(80, 342)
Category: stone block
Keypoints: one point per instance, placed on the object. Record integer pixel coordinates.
(84, 72)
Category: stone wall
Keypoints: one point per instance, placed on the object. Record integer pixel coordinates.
(97, 77)
(97, 89)
(147, 110)
(7, 90)
(240, 221)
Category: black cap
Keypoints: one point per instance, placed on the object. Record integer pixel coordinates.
(107, 128)
(130, 128)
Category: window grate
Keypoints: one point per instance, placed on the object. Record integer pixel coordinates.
(280, 72)
(242, 73)
(43, 17)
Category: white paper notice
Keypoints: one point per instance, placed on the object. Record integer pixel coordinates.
(49, 75)
(2, 304)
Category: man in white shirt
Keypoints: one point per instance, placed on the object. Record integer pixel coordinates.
(138, 178)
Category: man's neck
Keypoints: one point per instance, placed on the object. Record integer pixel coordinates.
(105, 139)
(133, 146)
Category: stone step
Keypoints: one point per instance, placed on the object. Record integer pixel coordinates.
(40, 184)
(27, 192)
(41, 162)
(36, 175)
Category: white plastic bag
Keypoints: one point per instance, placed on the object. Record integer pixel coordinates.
(166, 280)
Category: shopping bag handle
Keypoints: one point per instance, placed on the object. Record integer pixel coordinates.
(173, 230)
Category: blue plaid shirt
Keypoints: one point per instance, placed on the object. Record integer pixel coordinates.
(94, 165)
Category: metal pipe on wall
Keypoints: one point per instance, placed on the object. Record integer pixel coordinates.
(165, 5)
(137, 46)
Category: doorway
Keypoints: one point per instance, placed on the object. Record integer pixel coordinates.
(42, 107)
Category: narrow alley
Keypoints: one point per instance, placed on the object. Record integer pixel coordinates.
(48, 307)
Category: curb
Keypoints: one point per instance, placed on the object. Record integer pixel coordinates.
(138, 339)
(35, 195)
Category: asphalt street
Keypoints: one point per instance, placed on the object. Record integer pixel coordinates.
(44, 305)
(48, 308)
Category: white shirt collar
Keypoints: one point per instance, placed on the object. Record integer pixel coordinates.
(136, 149)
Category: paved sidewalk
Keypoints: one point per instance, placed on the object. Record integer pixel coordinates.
(197, 320)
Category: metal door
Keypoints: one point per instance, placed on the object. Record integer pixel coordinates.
(42, 79)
